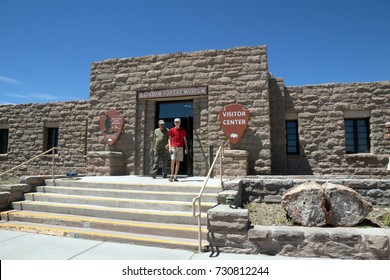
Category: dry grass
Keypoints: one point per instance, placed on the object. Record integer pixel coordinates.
(267, 214)
(6, 179)
(274, 215)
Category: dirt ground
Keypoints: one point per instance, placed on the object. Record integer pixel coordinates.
(273, 214)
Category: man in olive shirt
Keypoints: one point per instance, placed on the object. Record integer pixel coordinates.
(160, 146)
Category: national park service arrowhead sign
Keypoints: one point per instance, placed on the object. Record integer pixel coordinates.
(234, 119)
(111, 124)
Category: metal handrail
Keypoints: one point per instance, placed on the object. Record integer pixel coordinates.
(198, 198)
(31, 159)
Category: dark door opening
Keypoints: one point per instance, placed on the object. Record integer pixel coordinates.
(170, 110)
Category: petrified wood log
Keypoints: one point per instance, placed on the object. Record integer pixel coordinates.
(305, 204)
(310, 204)
(347, 207)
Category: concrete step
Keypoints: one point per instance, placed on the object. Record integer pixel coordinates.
(117, 202)
(138, 227)
(141, 185)
(103, 235)
(130, 194)
(147, 215)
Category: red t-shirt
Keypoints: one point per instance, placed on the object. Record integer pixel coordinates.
(177, 136)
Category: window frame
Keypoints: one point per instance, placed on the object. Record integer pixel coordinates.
(295, 139)
(51, 138)
(357, 145)
(4, 137)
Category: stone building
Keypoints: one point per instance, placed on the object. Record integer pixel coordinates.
(314, 129)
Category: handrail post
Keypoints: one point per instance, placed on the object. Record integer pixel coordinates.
(27, 161)
(198, 213)
(211, 158)
(199, 226)
(52, 164)
(220, 164)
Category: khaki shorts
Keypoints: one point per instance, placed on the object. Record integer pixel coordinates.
(177, 153)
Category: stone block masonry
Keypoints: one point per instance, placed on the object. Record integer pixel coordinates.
(27, 137)
(320, 111)
(270, 189)
(238, 75)
(229, 231)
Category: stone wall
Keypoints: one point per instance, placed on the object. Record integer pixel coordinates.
(230, 231)
(271, 190)
(234, 163)
(320, 111)
(10, 193)
(15, 192)
(27, 123)
(234, 75)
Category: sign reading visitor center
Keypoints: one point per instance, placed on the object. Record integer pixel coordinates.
(111, 124)
(175, 92)
(234, 119)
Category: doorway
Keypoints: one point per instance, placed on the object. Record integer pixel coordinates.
(170, 110)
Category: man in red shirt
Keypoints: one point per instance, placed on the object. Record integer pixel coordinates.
(177, 139)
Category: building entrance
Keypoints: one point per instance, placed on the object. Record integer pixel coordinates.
(170, 110)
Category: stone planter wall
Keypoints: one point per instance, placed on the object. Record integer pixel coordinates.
(15, 192)
(10, 193)
(265, 189)
(230, 231)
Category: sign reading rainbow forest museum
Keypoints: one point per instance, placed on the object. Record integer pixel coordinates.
(234, 119)
(175, 92)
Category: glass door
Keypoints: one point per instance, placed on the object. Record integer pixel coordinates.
(170, 110)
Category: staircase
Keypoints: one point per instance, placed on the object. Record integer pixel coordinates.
(128, 209)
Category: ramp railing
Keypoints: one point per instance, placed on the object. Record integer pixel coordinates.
(52, 150)
(197, 201)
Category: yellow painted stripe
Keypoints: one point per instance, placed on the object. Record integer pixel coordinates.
(93, 233)
(145, 201)
(103, 208)
(92, 220)
(130, 191)
(175, 184)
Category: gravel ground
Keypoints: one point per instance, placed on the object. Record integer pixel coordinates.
(274, 215)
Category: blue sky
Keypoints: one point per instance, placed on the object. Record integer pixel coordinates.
(47, 46)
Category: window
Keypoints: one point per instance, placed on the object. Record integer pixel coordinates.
(51, 138)
(292, 141)
(357, 136)
(3, 141)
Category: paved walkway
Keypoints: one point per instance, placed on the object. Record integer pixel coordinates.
(146, 180)
(17, 245)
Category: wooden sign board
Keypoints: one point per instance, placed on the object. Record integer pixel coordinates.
(111, 125)
(234, 119)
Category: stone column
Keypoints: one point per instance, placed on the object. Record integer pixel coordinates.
(228, 230)
(235, 163)
(105, 163)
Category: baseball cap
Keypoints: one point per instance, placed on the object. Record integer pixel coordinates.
(177, 120)
(161, 122)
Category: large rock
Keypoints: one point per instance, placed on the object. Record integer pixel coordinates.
(305, 204)
(347, 207)
(311, 204)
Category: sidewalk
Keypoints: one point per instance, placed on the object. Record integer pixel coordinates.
(29, 246)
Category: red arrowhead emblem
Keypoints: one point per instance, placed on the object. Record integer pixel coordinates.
(234, 119)
(111, 124)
